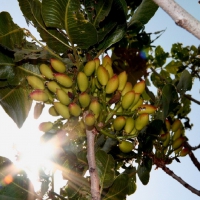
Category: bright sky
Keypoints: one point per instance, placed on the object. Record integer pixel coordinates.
(161, 186)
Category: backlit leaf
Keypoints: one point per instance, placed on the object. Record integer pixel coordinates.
(185, 82)
(66, 15)
(144, 13)
(106, 168)
(119, 188)
(53, 37)
(10, 34)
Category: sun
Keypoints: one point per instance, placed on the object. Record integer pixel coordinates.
(25, 149)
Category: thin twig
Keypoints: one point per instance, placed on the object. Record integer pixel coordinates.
(95, 192)
(180, 180)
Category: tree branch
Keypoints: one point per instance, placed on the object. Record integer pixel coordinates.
(180, 180)
(92, 164)
(181, 17)
(191, 99)
(192, 156)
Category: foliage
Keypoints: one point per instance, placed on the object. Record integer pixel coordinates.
(76, 33)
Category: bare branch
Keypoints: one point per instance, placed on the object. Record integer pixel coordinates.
(191, 99)
(181, 181)
(195, 148)
(192, 156)
(95, 192)
(181, 17)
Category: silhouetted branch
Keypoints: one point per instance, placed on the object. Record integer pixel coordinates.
(192, 99)
(180, 180)
(192, 156)
(195, 148)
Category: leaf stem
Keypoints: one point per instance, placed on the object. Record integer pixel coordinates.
(108, 134)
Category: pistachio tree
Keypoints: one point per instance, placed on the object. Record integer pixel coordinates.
(95, 70)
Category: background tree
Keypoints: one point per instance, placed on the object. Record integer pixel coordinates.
(126, 54)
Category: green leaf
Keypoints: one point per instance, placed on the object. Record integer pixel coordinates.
(106, 168)
(173, 66)
(166, 75)
(13, 93)
(6, 66)
(185, 107)
(156, 80)
(19, 187)
(132, 179)
(56, 40)
(169, 96)
(155, 127)
(179, 52)
(114, 36)
(97, 12)
(143, 174)
(144, 13)
(66, 14)
(117, 33)
(185, 82)
(160, 56)
(11, 35)
(119, 188)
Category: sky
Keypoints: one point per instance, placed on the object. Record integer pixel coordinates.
(161, 186)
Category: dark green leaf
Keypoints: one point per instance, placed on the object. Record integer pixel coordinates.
(106, 30)
(155, 127)
(132, 187)
(169, 96)
(66, 14)
(132, 179)
(11, 35)
(185, 82)
(106, 168)
(97, 12)
(53, 37)
(160, 56)
(179, 52)
(118, 190)
(6, 67)
(117, 33)
(143, 174)
(144, 13)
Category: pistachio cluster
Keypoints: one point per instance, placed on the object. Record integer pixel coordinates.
(173, 138)
(112, 103)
